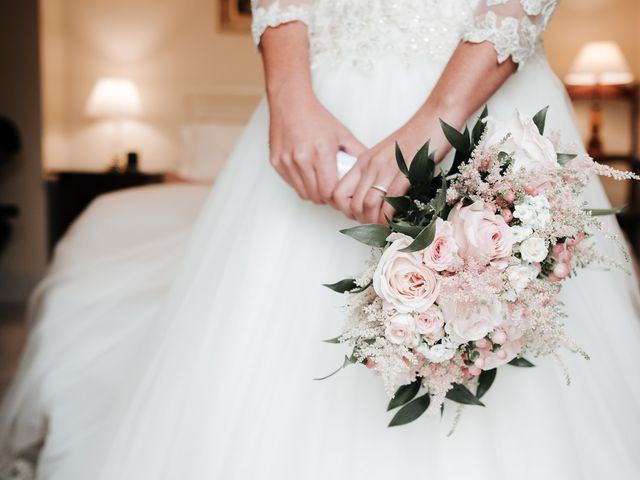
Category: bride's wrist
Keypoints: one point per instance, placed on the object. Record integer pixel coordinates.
(289, 92)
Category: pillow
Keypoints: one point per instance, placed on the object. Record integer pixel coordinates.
(205, 148)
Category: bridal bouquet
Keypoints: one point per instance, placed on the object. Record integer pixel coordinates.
(465, 278)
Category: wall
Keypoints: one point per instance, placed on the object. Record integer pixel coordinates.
(171, 47)
(21, 182)
(168, 47)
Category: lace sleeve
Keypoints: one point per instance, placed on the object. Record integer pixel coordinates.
(271, 13)
(513, 26)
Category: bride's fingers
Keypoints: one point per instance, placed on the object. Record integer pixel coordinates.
(361, 192)
(292, 176)
(351, 144)
(326, 171)
(344, 191)
(398, 187)
(304, 165)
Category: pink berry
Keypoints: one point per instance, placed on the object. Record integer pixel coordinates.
(473, 370)
(501, 354)
(565, 257)
(558, 248)
(483, 343)
(371, 363)
(530, 190)
(561, 270)
(509, 197)
(506, 214)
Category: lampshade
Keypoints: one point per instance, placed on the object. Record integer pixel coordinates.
(600, 63)
(114, 97)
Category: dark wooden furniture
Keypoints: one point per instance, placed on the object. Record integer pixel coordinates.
(69, 193)
(630, 218)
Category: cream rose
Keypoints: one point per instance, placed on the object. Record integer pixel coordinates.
(442, 254)
(530, 150)
(469, 321)
(480, 233)
(403, 280)
(534, 249)
(431, 323)
(401, 330)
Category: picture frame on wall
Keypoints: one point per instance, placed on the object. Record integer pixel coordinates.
(235, 15)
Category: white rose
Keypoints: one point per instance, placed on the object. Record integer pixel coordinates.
(530, 150)
(534, 249)
(401, 330)
(519, 276)
(438, 353)
(520, 233)
(468, 321)
(403, 280)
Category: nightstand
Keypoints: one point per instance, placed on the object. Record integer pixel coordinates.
(69, 193)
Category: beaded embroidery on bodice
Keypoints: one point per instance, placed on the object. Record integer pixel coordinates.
(361, 31)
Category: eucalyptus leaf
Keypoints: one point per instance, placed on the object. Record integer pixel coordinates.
(333, 340)
(406, 228)
(347, 361)
(601, 212)
(404, 394)
(521, 362)
(401, 204)
(424, 238)
(422, 167)
(563, 158)
(461, 394)
(342, 286)
(479, 127)
(540, 119)
(485, 380)
(371, 234)
(402, 165)
(411, 411)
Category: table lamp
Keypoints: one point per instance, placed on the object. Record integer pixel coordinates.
(114, 99)
(598, 67)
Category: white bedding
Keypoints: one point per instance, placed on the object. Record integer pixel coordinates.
(84, 313)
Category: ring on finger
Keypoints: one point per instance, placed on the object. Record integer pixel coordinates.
(379, 188)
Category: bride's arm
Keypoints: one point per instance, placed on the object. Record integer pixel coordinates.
(303, 136)
(478, 67)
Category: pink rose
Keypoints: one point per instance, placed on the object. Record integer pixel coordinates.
(403, 280)
(442, 254)
(401, 330)
(480, 233)
(469, 321)
(431, 323)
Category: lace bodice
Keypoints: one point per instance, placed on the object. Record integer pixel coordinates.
(362, 30)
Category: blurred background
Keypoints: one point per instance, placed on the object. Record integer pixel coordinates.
(99, 96)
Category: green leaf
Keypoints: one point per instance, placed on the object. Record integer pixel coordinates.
(441, 197)
(424, 238)
(458, 140)
(404, 394)
(402, 165)
(342, 286)
(540, 119)
(411, 411)
(406, 228)
(479, 127)
(485, 380)
(347, 361)
(422, 167)
(461, 394)
(601, 212)
(563, 158)
(333, 340)
(521, 362)
(401, 204)
(371, 234)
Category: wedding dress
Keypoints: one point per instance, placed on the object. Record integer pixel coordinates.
(223, 383)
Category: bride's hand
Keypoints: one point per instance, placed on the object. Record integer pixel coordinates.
(304, 138)
(355, 195)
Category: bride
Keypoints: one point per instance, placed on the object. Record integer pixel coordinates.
(224, 388)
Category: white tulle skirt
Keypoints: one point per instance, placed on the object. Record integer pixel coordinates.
(222, 384)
